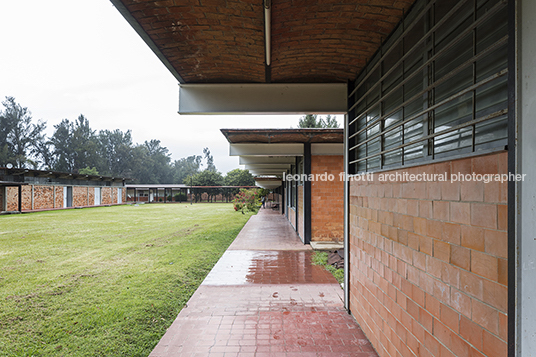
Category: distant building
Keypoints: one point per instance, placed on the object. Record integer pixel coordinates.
(26, 190)
(303, 168)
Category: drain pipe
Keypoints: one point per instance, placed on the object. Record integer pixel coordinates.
(267, 30)
(346, 221)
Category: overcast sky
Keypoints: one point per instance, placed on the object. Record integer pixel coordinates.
(63, 58)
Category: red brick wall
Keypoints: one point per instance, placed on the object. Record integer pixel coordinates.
(428, 262)
(106, 197)
(79, 196)
(59, 196)
(292, 216)
(327, 199)
(43, 197)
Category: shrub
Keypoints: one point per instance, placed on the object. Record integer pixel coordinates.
(247, 200)
(180, 197)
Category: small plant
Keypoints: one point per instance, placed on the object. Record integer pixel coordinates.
(321, 258)
(247, 200)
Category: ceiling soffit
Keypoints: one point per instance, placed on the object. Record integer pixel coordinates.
(222, 41)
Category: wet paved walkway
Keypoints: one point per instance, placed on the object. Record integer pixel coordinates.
(265, 298)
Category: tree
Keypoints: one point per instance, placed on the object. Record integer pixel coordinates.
(115, 150)
(313, 121)
(330, 122)
(19, 137)
(75, 145)
(206, 178)
(88, 171)
(210, 160)
(239, 177)
(185, 167)
(150, 163)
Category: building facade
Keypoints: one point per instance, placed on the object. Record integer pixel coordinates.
(26, 190)
(438, 98)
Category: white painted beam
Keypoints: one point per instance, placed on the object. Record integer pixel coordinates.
(264, 172)
(263, 98)
(247, 160)
(268, 184)
(267, 167)
(327, 149)
(266, 149)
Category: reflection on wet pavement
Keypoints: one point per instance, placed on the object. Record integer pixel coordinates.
(265, 298)
(237, 267)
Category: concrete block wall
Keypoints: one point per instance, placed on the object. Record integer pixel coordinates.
(428, 262)
(327, 199)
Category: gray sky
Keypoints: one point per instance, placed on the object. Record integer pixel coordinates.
(63, 58)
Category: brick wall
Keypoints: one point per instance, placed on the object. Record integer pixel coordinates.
(79, 196)
(91, 196)
(106, 197)
(59, 197)
(428, 262)
(327, 199)
(43, 197)
(292, 216)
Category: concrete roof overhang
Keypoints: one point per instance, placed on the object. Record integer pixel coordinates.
(270, 152)
(210, 43)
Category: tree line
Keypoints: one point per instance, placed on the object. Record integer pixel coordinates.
(76, 148)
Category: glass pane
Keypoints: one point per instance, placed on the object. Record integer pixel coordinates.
(492, 30)
(455, 84)
(459, 139)
(460, 53)
(455, 112)
(495, 130)
(413, 153)
(393, 158)
(392, 101)
(492, 97)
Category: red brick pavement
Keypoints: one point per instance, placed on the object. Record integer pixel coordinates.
(265, 303)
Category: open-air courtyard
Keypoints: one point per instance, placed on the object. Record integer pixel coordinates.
(104, 281)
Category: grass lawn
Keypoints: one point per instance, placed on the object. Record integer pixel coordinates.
(104, 281)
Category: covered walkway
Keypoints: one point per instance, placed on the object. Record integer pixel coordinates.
(265, 298)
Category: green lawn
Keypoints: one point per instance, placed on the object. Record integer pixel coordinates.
(104, 281)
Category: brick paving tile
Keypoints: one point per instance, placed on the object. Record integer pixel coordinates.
(261, 301)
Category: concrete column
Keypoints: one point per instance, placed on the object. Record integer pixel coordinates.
(307, 216)
(525, 324)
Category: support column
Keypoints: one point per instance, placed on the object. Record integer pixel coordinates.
(521, 222)
(346, 220)
(307, 194)
(32, 194)
(20, 198)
